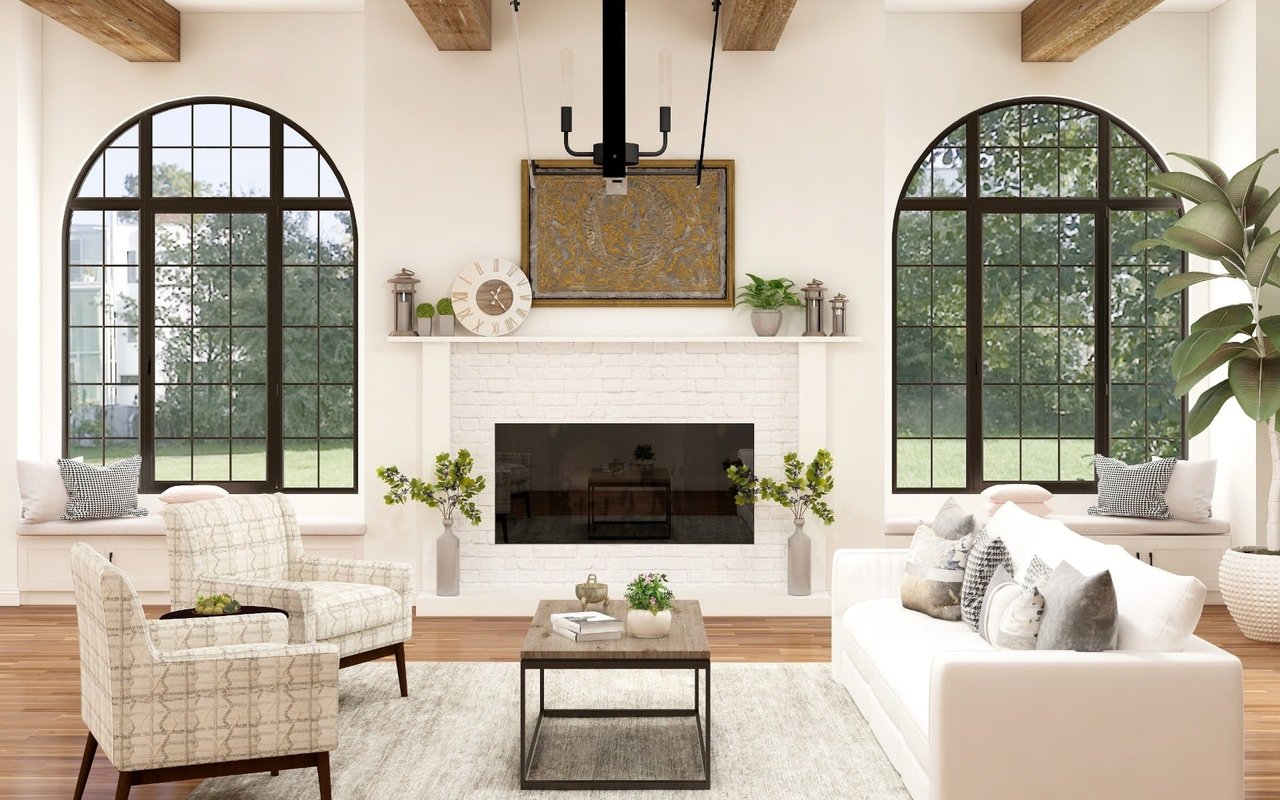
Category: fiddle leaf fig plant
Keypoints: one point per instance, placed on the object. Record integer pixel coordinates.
(800, 491)
(454, 489)
(1227, 225)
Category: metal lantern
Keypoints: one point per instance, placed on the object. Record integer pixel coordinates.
(839, 315)
(813, 295)
(402, 288)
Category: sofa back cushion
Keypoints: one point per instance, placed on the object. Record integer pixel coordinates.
(1158, 610)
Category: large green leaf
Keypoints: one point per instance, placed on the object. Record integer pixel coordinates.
(1271, 327)
(1261, 261)
(1264, 212)
(1255, 382)
(1192, 351)
(1176, 283)
(1211, 170)
(1257, 199)
(1235, 316)
(1191, 187)
(1210, 230)
(1207, 407)
(1215, 360)
(1240, 187)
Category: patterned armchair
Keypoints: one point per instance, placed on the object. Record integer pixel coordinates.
(178, 699)
(249, 546)
(512, 478)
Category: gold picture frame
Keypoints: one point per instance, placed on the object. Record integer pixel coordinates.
(667, 242)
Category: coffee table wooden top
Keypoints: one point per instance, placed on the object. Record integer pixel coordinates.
(687, 640)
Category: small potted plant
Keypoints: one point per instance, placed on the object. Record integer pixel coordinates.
(643, 455)
(454, 490)
(766, 298)
(800, 491)
(444, 316)
(425, 311)
(649, 602)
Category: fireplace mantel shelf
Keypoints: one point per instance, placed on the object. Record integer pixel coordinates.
(468, 339)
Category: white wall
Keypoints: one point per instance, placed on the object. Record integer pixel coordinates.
(940, 67)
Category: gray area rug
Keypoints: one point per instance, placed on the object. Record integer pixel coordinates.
(693, 529)
(778, 731)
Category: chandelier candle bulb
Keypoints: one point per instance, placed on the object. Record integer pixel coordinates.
(664, 77)
(566, 78)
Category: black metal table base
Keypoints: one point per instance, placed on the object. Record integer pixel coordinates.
(701, 714)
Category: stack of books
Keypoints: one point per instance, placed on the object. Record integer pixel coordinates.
(587, 626)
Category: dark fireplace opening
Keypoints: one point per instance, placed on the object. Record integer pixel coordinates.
(573, 483)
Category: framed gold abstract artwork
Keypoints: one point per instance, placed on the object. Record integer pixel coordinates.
(667, 242)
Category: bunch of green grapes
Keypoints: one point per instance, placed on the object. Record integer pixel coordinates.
(217, 604)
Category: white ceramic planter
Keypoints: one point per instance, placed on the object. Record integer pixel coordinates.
(647, 625)
(1250, 585)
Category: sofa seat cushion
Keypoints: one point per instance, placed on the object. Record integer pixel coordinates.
(893, 648)
(343, 608)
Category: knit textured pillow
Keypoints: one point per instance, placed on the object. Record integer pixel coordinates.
(987, 555)
(1135, 490)
(101, 492)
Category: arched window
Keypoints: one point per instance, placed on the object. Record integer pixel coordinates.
(210, 303)
(1027, 335)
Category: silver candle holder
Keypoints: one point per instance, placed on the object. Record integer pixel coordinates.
(839, 315)
(813, 295)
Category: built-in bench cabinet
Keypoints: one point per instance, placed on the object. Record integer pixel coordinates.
(1184, 548)
(138, 547)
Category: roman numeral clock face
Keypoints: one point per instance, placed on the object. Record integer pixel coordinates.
(492, 298)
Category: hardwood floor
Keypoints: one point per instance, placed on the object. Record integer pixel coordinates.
(42, 738)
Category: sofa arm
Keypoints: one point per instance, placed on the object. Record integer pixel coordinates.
(295, 599)
(857, 575)
(185, 634)
(1067, 725)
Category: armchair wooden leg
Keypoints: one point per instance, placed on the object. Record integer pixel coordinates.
(400, 671)
(275, 773)
(86, 763)
(322, 772)
(123, 785)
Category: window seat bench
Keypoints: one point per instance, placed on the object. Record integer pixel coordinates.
(1185, 548)
(137, 545)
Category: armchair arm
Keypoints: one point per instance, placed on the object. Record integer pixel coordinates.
(1130, 724)
(185, 634)
(390, 574)
(294, 598)
(857, 575)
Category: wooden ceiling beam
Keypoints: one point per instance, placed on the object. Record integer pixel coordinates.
(1064, 30)
(757, 24)
(135, 30)
(456, 24)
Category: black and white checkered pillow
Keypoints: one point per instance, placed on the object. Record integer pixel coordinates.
(101, 492)
(987, 556)
(1132, 490)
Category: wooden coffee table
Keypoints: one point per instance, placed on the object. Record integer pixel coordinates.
(684, 648)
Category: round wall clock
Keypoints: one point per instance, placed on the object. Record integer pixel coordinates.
(491, 298)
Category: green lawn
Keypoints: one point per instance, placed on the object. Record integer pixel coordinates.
(307, 464)
(1003, 460)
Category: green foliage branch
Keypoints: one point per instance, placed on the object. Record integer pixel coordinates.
(1227, 225)
(801, 490)
(454, 488)
(767, 295)
(650, 592)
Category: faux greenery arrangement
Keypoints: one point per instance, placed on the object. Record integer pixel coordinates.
(444, 307)
(426, 311)
(643, 452)
(767, 295)
(649, 592)
(1228, 224)
(800, 491)
(453, 490)
(216, 604)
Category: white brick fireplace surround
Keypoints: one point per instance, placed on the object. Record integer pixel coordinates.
(745, 380)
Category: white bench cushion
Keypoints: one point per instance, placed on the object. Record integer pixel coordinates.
(1088, 525)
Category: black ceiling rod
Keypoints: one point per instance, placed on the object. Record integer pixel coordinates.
(711, 70)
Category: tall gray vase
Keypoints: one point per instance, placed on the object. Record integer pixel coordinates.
(447, 562)
(799, 566)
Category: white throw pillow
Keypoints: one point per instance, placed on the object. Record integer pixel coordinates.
(44, 495)
(1190, 492)
(193, 493)
(1039, 509)
(1017, 493)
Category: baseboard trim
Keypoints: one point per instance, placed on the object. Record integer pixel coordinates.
(715, 602)
(10, 597)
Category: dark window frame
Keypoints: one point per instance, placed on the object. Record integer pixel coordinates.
(975, 205)
(274, 206)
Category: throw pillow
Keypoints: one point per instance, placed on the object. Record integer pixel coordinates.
(1017, 493)
(1000, 593)
(1190, 491)
(44, 496)
(1080, 613)
(1039, 509)
(1010, 618)
(934, 575)
(192, 493)
(1135, 490)
(1037, 575)
(101, 492)
(983, 559)
(952, 522)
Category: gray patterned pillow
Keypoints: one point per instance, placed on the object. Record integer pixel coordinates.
(987, 555)
(1079, 612)
(101, 492)
(934, 575)
(1010, 618)
(1037, 575)
(952, 522)
(1132, 490)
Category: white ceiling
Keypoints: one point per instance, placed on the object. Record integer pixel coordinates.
(1018, 5)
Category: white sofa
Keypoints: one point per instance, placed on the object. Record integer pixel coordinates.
(960, 720)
